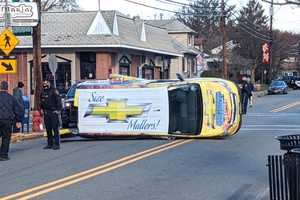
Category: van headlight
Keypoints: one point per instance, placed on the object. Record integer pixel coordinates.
(68, 104)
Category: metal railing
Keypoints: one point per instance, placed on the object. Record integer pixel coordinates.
(284, 176)
(277, 178)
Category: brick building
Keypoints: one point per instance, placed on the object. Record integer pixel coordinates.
(92, 45)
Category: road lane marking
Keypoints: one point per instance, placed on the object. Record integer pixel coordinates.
(64, 182)
(272, 125)
(285, 107)
(269, 129)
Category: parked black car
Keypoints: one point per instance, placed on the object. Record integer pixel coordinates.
(69, 114)
(278, 87)
(289, 80)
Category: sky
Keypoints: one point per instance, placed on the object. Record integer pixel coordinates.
(286, 18)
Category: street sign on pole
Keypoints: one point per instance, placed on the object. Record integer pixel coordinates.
(53, 66)
(8, 66)
(8, 41)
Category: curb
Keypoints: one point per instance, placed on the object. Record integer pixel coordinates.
(260, 93)
(19, 137)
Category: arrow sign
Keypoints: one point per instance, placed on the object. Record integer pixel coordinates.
(8, 66)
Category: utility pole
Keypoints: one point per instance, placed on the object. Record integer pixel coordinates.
(37, 55)
(271, 41)
(224, 40)
(99, 5)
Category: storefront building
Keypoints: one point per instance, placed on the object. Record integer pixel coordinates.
(92, 45)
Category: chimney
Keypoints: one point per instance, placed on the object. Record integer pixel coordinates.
(161, 16)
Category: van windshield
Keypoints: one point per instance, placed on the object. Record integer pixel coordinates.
(71, 92)
(185, 107)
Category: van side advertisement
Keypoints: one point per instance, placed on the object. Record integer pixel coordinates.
(130, 110)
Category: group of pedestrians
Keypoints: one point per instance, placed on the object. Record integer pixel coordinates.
(12, 113)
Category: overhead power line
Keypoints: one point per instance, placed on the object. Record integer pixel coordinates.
(186, 4)
(166, 10)
(252, 34)
(287, 2)
(245, 27)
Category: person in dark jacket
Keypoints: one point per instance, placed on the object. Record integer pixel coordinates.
(51, 105)
(245, 94)
(10, 111)
(18, 94)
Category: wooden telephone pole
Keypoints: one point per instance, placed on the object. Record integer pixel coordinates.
(37, 56)
(224, 40)
(271, 41)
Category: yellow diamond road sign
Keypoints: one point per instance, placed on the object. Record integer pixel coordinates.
(8, 41)
(8, 66)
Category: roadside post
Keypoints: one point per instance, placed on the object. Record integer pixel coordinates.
(53, 66)
(25, 122)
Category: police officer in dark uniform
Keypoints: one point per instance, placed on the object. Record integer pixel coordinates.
(10, 112)
(51, 105)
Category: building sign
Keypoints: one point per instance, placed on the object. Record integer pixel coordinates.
(22, 30)
(8, 41)
(21, 14)
(8, 66)
(137, 110)
(266, 53)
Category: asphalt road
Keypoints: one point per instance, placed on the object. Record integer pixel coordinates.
(223, 169)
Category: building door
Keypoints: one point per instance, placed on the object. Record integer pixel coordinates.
(87, 65)
(124, 66)
(148, 70)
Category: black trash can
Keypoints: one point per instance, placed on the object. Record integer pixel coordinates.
(291, 143)
(292, 168)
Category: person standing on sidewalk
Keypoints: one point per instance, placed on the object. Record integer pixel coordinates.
(251, 87)
(245, 95)
(18, 94)
(10, 111)
(51, 106)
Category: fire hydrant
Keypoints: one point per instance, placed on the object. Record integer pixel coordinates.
(37, 122)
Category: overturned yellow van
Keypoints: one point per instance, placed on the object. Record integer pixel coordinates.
(125, 106)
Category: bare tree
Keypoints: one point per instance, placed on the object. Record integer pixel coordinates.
(203, 16)
(67, 5)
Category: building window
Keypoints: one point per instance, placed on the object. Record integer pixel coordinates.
(148, 73)
(184, 69)
(194, 67)
(189, 40)
(143, 59)
(124, 66)
(87, 65)
(62, 75)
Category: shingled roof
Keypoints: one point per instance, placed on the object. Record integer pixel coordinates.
(171, 25)
(69, 30)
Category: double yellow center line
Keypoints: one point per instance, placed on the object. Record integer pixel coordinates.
(282, 108)
(69, 180)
